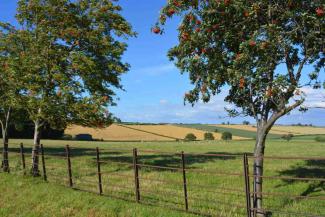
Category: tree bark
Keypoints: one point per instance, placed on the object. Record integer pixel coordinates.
(5, 159)
(258, 170)
(35, 152)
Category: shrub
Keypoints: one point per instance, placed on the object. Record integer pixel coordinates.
(226, 136)
(67, 137)
(246, 123)
(320, 138)
(190, 137)
(287, 137)
(208, 136)
(216, 130)
(84, 137)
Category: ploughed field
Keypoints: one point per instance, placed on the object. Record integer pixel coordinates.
(214, 172)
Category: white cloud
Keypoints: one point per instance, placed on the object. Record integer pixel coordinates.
(157, 70)
(163, 101)
(314, 97)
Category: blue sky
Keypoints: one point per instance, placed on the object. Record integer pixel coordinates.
(154, 87)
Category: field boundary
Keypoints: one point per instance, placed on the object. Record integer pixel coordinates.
(247, 192)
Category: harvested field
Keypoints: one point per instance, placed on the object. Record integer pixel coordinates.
(175, 131)
(116, 133)
(280, 130)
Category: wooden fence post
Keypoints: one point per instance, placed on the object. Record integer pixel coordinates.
(67, 149)
(247, 187)
(5, 162)
(184, 181)
(43, 163)
(136, 175)
(100, 186)
(22, 155)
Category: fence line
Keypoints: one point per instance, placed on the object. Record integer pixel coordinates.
(100, 174)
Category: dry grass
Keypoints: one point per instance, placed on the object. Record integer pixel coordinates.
(141, 132)
(280, 130)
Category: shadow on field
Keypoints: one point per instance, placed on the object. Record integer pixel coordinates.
(311, 169)
(155, 159)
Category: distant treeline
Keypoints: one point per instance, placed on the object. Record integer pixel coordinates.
(26, 131)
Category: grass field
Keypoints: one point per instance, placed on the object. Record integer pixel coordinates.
(204, 190)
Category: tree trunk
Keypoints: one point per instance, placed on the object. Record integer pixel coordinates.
(5, 159)
(258, 170)
(35, 151)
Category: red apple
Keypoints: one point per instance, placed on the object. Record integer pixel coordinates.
(185, 36)
(171, 12)
(320, 11)
(156, 30)
(177, 3)
(252, 43)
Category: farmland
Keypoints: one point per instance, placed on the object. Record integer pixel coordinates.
(118, 132)
(201, 187)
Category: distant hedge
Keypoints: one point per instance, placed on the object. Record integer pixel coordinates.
(208, 136)
(320, 138)
(226, 136)
(190, 137)
(287, 137)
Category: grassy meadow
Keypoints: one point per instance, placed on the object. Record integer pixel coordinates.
(210, 191)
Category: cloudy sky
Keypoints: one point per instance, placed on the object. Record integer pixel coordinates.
(155, 88)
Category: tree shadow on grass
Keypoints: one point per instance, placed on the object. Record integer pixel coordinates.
(311, 169)
(154, 159)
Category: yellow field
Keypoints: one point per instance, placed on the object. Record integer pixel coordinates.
(141, 132)
(175, 131)
(277, 129)
(115, 133)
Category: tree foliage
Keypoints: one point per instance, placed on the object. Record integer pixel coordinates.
(240, 44)
(257, 50)
(71, 59)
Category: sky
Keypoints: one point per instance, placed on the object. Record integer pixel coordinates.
(154, 87)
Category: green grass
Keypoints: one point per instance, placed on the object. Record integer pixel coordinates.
(30, 197)
(211, 200)
(235, 132)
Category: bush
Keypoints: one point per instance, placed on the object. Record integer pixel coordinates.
(84, 137)
(67, 137)
(226, 136)
(320, 138)
(287, 137)
(246, 123)
(216, 130)
(190, 137)
(208, 136)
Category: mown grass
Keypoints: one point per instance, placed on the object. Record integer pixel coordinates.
(205, 190)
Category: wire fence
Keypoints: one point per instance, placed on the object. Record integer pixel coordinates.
(174, 180)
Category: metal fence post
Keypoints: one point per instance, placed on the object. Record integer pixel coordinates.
(184, 180)
(43, 163)
(247, 187)
(136, 175)
(22, 155)
(100, 187)
(67, 149)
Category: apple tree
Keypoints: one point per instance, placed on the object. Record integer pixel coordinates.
(256, 50)
(71, 62)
